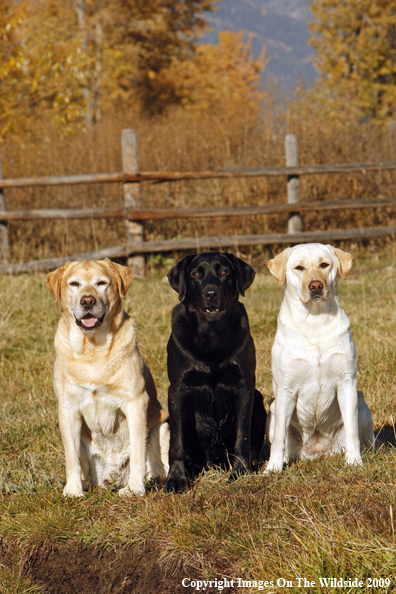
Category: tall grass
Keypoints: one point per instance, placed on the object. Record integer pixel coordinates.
(317, 519)
(184, 141)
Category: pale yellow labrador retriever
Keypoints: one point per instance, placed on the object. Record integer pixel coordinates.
(317, 407)
(112, 426)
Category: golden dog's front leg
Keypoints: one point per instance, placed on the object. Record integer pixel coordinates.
(136, 415)
(70, 422)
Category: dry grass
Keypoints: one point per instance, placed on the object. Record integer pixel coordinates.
(317, 519)
(184, 141)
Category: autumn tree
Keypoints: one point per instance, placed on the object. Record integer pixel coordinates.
(73, 59)
(225, 74)
(145, 38)
(355, 42)
(13, 85)
(42, 65)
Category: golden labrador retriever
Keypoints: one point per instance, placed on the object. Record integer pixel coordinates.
(112, 426)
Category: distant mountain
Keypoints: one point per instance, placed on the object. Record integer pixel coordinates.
(281, 25)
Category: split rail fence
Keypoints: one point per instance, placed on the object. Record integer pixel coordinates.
(135, 247)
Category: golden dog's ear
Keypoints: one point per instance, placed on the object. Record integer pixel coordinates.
(344, 260)
(54, 281)
(277, 266)
(123, 276)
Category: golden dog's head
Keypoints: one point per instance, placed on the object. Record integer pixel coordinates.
(311, 269)
(90, 290)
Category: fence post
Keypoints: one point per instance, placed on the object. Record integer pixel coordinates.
(4, 243)
(391, 129)
(293, 183)
(132, 199)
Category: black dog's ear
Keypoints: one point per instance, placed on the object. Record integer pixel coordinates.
(244, 273)
(177, 276)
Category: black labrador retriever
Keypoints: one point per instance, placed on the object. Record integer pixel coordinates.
(216, 416)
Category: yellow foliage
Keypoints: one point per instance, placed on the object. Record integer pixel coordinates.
(12, 63)
(61, 58)
(225, 74)
(356, 45)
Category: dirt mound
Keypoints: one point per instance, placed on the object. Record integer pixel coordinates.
(72, 569)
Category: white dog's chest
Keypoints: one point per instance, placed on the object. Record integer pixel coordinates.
(315, 379)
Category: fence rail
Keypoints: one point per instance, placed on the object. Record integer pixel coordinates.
(173, 176)
(134, 215)
(197, 213)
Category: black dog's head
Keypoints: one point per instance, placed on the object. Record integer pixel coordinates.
(211, 281)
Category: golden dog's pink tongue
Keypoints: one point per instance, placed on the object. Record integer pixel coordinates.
(89, 322)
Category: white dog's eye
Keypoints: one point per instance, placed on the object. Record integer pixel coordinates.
(74, 284)
(299, 267)
(324, 265)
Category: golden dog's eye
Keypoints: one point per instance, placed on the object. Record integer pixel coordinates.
(299, 268)
(74, 284)
(324, 265)
(101, 283)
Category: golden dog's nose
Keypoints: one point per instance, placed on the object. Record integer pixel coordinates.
(88, 301)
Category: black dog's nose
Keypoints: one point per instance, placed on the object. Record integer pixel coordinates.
(211, 294)
(88, 301)
(315, 287)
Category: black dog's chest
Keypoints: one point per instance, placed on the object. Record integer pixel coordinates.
(214, 377)
(213, 391)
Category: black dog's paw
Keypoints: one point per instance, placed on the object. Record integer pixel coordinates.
(239, 468)
(174, 484)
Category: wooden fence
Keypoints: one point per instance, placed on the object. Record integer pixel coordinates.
(134, 215)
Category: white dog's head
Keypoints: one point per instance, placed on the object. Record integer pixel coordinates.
(90, 291)
(311, 270)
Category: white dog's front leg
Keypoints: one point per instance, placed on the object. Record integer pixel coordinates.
(136, 415)
(285, 403)
(70, 421)
(347, 396)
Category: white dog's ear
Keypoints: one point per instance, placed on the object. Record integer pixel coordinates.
(277, 266)
(344, 260)
(123, 276)
(54, 281)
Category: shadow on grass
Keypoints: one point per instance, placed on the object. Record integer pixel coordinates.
(385, 436)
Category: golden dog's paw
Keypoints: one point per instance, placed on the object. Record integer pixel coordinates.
(72, 490)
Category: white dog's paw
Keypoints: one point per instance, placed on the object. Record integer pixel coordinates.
(273, 467)
(129, 491)
(73, 490)
(353, 460)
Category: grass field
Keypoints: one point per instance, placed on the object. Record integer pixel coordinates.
(316, 520)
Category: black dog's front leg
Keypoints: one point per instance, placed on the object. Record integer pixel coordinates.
(242, 448)
(177, 478)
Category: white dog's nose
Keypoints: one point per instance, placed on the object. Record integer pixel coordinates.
(315, 286)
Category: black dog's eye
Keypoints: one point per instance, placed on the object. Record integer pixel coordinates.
(324, 265)
(299, 268)
(74, 284)
(223, 272)
(196, 274)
